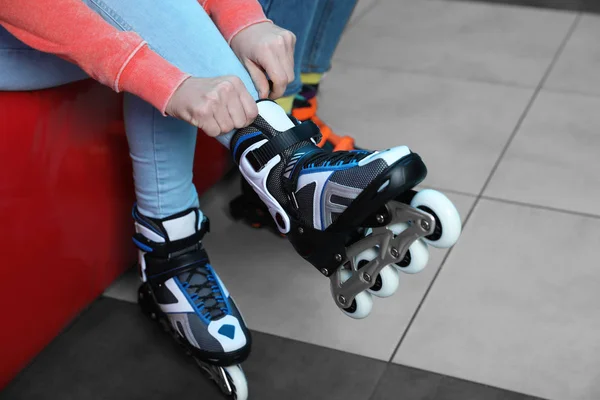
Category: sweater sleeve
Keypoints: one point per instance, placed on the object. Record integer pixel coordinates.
(232, 16)
(72, 31)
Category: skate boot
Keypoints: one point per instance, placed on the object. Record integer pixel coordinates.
(352, 214)
(248, 206)
(184, 294)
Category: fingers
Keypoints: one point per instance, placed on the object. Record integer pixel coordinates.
(223, 117)
(279, 77)
(259, 78)
(242, 107)
(230, 106)
(236, 113)
(288, 59)
(209, 126)
(201, 114)
(250, 109)
(215, 105)
(269, 60)
(278, 61)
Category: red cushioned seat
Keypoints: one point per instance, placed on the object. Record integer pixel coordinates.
(66, 192)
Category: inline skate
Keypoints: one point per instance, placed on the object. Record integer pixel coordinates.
(182, 292)
(352, 214)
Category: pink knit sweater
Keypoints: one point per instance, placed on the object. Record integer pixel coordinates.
(121, 60)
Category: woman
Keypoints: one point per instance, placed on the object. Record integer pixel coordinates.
(185, 65)
(170, 59)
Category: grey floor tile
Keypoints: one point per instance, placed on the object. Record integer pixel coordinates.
(477, 41)
(553, 160)
(578, 68)
(113, 352)
(570, 5)
(515, 306)
(362, 7)
(286, 369)
(125, 287)
(405, 383)
(458, 127)
(400, 382)
(281, 294)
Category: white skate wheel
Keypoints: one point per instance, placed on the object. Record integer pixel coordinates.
(237, 379)
(447, 219)
(387, 281)
(417, 256)
(361, 305)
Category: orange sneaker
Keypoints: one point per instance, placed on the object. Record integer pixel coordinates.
(307, 110)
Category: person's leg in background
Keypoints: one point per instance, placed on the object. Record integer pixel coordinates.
(318, 26)
(331, 19)
(296, 16)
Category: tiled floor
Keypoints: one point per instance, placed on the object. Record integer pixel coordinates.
(591, 6)
(114, 352)
(502, 102)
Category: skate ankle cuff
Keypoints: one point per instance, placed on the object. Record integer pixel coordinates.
(259, 157)
(171, 248)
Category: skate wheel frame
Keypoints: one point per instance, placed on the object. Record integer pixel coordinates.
(392, 249)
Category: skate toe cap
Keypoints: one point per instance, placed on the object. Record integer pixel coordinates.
(229, 333)
(390, 155)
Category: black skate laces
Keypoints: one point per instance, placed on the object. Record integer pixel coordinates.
(326, 159)
(206, 295)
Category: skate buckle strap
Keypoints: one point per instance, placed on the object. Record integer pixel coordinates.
(160, 269)
(258, 158)
(172, 248)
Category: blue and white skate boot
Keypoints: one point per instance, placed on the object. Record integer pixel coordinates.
(352, 214)
(181, 290)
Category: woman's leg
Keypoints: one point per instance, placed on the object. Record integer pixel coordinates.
(162, 149)
(180, 285)
(23, 68)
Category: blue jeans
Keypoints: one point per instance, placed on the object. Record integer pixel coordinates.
(162, 148)
(318, 26)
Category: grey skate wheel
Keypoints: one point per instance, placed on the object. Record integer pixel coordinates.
(447, 220)
(361, 305)
(416, 257)
(386, 282)
(238, 382)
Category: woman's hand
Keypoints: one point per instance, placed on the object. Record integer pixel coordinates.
(266, 48)
(215, 105)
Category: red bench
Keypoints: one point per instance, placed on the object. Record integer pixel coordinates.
(66, 193)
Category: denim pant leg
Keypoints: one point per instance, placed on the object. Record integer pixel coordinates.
(24, 68)
(296, 16)
(331, 19)
(162, 148)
